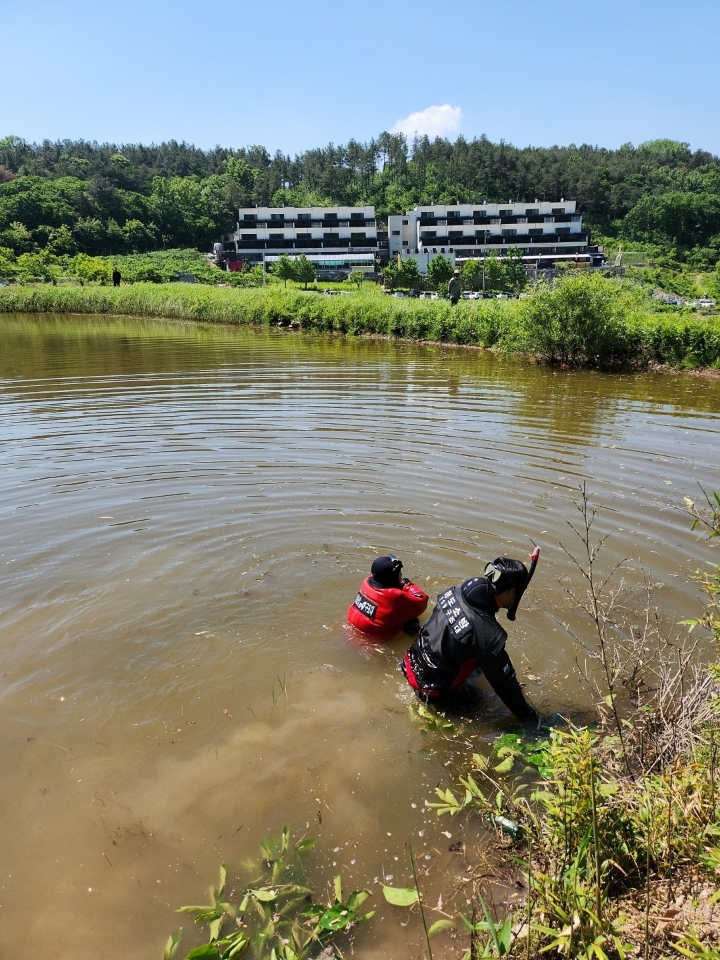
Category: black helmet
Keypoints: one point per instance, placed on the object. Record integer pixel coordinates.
(504, 574)
(386, 570)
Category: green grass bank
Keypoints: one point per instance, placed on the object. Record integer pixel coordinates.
(580, 321)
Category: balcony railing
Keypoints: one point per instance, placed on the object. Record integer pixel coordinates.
(495, 239)
(341, 243)
(290, 223)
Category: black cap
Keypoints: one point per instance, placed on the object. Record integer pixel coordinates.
(504, 574)
(386, 570)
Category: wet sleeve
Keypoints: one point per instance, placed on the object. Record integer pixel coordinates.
(416, 600)
(501, 676)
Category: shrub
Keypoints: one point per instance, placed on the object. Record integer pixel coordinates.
(578, 321)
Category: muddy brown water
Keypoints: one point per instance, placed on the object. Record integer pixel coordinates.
(186, 513)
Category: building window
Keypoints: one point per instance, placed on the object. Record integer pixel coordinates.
(355, 237)
(479, 213)
(562, 230)
(506, 213)
(558, 210)
(304, 216)
(248, 236)
(396, 233)
(250, 216)
(453, 213)
(277, 236)
(405, 243)
(510, 232)
(405, 223)
(277, 216)
(330, 216)
(535, 232)
(357, 216)
(533, 212)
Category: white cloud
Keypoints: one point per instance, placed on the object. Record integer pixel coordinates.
(433, 121)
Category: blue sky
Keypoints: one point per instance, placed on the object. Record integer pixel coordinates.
(295, 74)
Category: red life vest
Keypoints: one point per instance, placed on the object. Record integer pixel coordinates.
(383, 611)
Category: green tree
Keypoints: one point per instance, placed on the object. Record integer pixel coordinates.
(17, 237)
(284, 268)
(439, 272)
(33, 268)
(409, 274)
(138, 236)
(90, 235)
(391, 275)
(63, 242)
(515, 276)
(7, 263)
(494, 272)
(304, 271)
(357, 277)
(89, 269)
(471, 274)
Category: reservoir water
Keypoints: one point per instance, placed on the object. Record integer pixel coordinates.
(186, 512)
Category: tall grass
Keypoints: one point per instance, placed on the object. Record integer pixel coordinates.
(621, 814)
(579, 322)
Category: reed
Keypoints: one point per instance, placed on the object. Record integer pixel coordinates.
(583, 321)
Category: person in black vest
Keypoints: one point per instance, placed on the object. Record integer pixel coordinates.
(463, 636)
(116, 277)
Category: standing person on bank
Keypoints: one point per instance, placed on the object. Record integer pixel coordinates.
(385, 603)
(454, 289)
(116, 277)
(463, 636)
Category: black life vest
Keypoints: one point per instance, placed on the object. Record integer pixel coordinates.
(454, 642)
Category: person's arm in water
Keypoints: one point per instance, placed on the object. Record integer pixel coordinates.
(501, 676)
(415, 599)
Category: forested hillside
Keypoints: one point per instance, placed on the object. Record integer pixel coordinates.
(76, 196)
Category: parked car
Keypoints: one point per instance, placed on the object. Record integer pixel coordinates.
(399, 293)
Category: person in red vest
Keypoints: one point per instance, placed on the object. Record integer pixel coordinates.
(385, 603)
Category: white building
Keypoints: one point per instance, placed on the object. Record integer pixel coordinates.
(333, 238)
(543, 231)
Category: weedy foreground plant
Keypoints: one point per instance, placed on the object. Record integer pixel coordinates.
(274, 916)
(620, 811)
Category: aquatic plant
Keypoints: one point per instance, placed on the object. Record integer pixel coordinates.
(274, 916)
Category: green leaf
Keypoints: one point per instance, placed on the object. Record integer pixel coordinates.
(304, 845)
(400, 896)
(208, 951)
(337, 887)
(357, 898)
(336, 918)
(505, 936)
(504, 767)
(439, 926)
(172, 944)
(265, 896)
